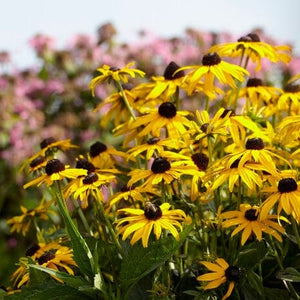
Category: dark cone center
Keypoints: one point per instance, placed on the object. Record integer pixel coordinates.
(211, 59)
(32, 249)
(46, 142)
(255, 144)
(90, 178)
(85, 164)
(97, 148)
(251, 214)
(287, 185)
(253, 82)
(45, 257)
(152, 211)
(160, 165)
(153, 141)
(171, 69)
(233, 273)
(204, 127)
(292, 88)
(54, 166)
(167, 110)
(250, 37)
(200, 160)
(227, 111)
(37, 161)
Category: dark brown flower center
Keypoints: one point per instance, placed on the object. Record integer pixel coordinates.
(287, 185)
(97, 148)
(153, 141)
(292, 88)
(167, 110)
(152, 211)
(171, 69)
(32, 249)
(37, 161)
(251, 214)
(253, 82)
(200, 160)
(127, 86)
(114, 69)
(255, 144)
(250, 37)
(90, 178)
(45, 257)
(160, 165)
(211, 59)
(126, 188)
(204, 127)
(46, 142)
(85, 164)
(227, 111)
(235, 164)
(233, 273)
(54, 166)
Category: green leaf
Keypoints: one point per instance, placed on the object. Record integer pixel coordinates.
(255, 282)
(289, 274)
(49, 290)
(141, 261)
(70, 280)
(278, 294)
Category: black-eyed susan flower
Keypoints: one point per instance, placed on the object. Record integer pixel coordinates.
(49, 147)
(213, 67)
(289, 100)
(104, 157)
(287, 197)
(221, 272)
(251, 47)
(165, 117)
(162, 170)
(134, 193)
(255, 151)
(167, 85)
(55, 170)
(51, 255)
(116, 74)
(22, 222)
(289, 131)
(249, 220)
(246, 173)
(153, 217)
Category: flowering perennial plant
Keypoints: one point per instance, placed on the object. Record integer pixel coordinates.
(190, 192)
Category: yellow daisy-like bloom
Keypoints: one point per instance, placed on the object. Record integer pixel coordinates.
(250, 46)
(255, 151)
(49, 146)
(55, 171)
(155, 146)
(136, 193)
(213, 67)
(250, 221)
(161, 171)
(287, 195)
(166, 86)
(155, 217)
(257, 94)
(166, 116)
(289, 100)
(117, 109)
(289, 131)
(103, 157)
(51, 255)
(112, 73)
(221, 173)
(22, 223)
(221, 272)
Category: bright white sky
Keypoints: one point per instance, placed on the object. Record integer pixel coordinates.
(21, 19)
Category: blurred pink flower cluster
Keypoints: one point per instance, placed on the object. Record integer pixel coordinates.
(52, 98)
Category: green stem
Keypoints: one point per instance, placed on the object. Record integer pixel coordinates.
(83, 218)
(126, 102)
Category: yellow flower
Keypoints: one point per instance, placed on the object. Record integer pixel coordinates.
(287, 195)
(166, 116)
(289, 100)
(112, 73)
(155, 217)
(51, 255)
(213, 66)
(251, 47)
(221, 272)
(55, 171)
(289, 131)
(250, 221)
(22, 223)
